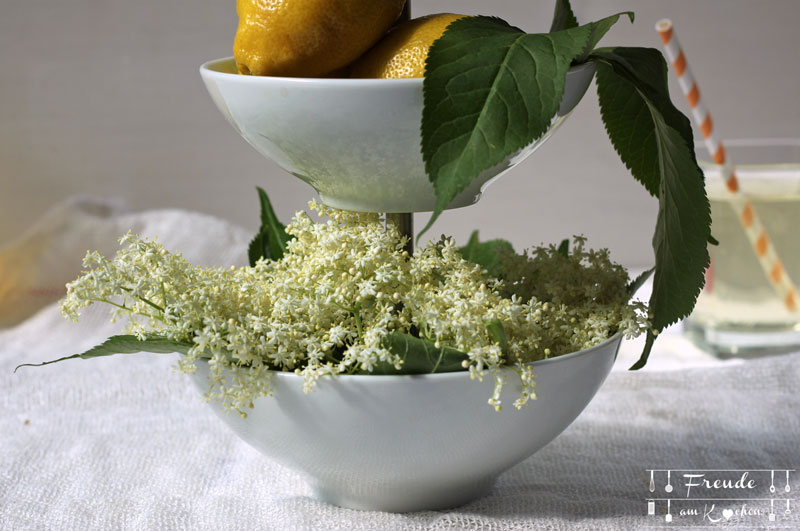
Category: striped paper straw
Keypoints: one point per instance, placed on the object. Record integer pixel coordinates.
(760, 241)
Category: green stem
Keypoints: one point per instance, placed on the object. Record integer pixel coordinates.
(146, 300)
(357, 316)
(152, 304)
(163, 295)
(123, 307)
(343, 308)
(120, 306)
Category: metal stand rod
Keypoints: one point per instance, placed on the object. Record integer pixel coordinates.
(404, 221)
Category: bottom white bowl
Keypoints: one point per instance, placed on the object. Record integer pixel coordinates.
(410, 443)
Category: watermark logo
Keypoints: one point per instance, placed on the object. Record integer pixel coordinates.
(704, 497)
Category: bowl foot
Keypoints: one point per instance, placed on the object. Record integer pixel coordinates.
(404, 498)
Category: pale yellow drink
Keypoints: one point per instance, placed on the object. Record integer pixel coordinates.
(739, 311)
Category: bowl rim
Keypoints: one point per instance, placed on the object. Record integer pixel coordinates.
(564, 358)
(206, 69)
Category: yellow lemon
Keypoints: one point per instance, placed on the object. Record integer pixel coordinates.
(403, 51)
(308, 38)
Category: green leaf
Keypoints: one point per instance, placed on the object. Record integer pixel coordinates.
(125, 344)
(498, 334)
(682, 229)
(270, 242)
(634, 285)
(258, 249)
(648, 346)
(712, 240)
(632, 78)
(563, 17)
(563, 248)
(420, 356)
(486, 254)
(655, 141)
(489, 90)
(598, 31)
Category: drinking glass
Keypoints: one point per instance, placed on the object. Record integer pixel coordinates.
(739, 313)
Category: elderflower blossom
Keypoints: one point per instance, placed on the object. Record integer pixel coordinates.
(342, 286)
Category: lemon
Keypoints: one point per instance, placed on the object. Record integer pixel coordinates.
(403, 51)
(308, 38)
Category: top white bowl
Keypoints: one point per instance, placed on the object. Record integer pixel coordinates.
(356, 141)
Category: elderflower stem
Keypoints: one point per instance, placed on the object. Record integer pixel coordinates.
(357, 315)
(123, 307)
(146, 301)
(152, 304)
(120, 306)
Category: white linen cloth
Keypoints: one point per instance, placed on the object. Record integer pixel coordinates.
(127, 443)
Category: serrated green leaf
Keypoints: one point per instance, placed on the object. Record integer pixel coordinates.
(270, 242)
(489, 90)
(258, 249)
(563, 17)
(643, 125)
(598, 31)
(625, 113)
(630, 127)
(123, 344)
(420, 356)
(634, 285)
(682, 229)
(486, 254)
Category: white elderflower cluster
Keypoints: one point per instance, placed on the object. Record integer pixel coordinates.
(342, 286)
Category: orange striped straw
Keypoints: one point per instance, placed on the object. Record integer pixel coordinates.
(770, 262)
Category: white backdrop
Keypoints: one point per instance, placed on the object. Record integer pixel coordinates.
(104, 98)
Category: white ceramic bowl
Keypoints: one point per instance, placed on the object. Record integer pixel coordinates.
(410, 443)
(356, 141)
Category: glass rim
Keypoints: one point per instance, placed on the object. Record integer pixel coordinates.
(744, 143)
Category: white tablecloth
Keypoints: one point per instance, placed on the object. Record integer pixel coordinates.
(127, 443)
